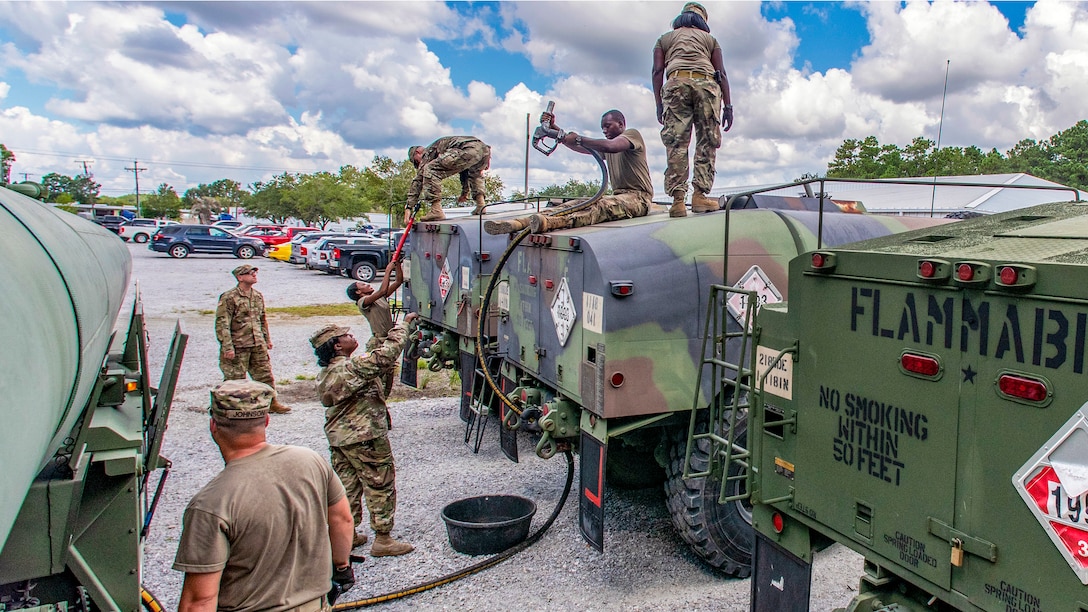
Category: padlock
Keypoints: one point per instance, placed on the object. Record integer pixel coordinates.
(957, 552)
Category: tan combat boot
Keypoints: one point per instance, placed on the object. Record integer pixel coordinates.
(278, 408)
(479, 210)
(506, 227)
(386, 546)
(678, 209)
(700, 203)
(435, 213)
(359, 539)
(540, 224)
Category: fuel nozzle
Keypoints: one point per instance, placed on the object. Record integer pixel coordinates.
(546, 131)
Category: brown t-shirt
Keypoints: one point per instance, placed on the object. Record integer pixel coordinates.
(378, 315)
(688, 49)
(263, 522)
(627, 170)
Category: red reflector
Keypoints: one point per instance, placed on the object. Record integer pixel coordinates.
(818, 260)
(1022, 388)
(438, 257)
(777, 522)
(427, 255)
(1008, 276)
(532, 279)
(927, 269)
(524, 395)
(918, 364)
(548, 284)
(617, 379)
(624, 289)
(965, 272)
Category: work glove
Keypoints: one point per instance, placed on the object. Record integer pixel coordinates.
(343, 579)
(727, 118)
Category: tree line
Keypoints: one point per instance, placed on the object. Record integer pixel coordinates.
(321, 198)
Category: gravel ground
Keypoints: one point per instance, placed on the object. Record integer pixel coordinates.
(645, 565)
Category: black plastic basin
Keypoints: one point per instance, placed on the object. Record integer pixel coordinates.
(488, 524)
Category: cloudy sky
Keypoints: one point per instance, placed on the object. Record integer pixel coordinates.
(198, 91)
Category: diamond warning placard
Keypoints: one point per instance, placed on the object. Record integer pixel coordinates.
(445, 279)
(753, 280)
(1053, 483)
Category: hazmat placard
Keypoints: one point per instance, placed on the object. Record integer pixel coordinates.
(1054, 484)
(753, 280)
(445, 280)
(563, 312)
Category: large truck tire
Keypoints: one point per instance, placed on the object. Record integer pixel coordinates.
(721, 534)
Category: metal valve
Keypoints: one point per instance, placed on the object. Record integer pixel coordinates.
(545, 131)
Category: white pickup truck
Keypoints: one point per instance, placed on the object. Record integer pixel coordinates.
(141, 230)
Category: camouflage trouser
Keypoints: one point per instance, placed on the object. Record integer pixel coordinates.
(367, 472)
(252, 359)
(687, 103)
(470, 161)
(625, 205)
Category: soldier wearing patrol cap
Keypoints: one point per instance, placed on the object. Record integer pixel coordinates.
(241, 327)
(691, 97)
(234, 549)
(356, 424)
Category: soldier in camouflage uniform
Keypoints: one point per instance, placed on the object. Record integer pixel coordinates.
(463, 155)
(242, 329)
(357, 423)
(632, 191)
(696, 87)
(374, 306)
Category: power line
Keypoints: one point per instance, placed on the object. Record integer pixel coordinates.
(161, 161)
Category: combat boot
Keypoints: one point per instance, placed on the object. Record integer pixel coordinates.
(479, 210)
(678, 209)
(359, 539)
(386, 546)
(506, 227)
(435, 213)
(278, 408)
(702, 204)
(540, 224)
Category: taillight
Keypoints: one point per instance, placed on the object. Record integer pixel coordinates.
(920, 365)
(336, 253)
(823, 262)
(1022, 388)
(622, 288)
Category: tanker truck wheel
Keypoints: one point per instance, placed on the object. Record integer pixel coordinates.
(719, 533)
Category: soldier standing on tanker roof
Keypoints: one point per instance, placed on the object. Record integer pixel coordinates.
(697, 86)
(242, 329)
(632, 191)
(357, 424)
(463, 155)
(374, 306)
(235, 550)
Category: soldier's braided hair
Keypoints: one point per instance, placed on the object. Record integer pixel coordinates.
(690, 19)
(326, 352)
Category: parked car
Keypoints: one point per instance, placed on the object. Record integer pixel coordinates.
(180, 240)
(281, 251)
(111, 222)
(319, 255)
(303, 243)
(141, 230)
(276, 234)
(230, 225)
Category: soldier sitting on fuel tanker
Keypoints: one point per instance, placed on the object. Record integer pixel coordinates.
(273, 530)
(357, 424)
(374, 306)
(632, 191)
(463, 155)
(242, 329)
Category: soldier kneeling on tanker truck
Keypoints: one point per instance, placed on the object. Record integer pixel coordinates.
(632, 190)
(465, 156)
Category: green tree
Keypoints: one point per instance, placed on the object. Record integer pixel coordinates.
(227, 192)
(7, 158)
(573, 188)
(1068, 152)
(269, 199)
(163, 203)
(321, 198)
(81, 189)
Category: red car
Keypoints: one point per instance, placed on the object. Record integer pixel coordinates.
(276, 234)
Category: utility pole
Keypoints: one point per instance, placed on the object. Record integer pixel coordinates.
(26, 176)
(86, 169)
(136, 170)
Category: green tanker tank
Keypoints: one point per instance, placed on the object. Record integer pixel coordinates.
(922, 399)
(596, 340)
(81, 424)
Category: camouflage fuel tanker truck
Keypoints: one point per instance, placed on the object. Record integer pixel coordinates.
(593, 338)
(82, 425)
(923, 399)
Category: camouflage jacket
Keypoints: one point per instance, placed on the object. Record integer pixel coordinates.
(240, 320)
(351, 390)
(432, 152)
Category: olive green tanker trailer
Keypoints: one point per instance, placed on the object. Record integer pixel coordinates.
(80, 423)
(597, 333)
(925, 403)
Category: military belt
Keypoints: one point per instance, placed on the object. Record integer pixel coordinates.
(688, 74)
